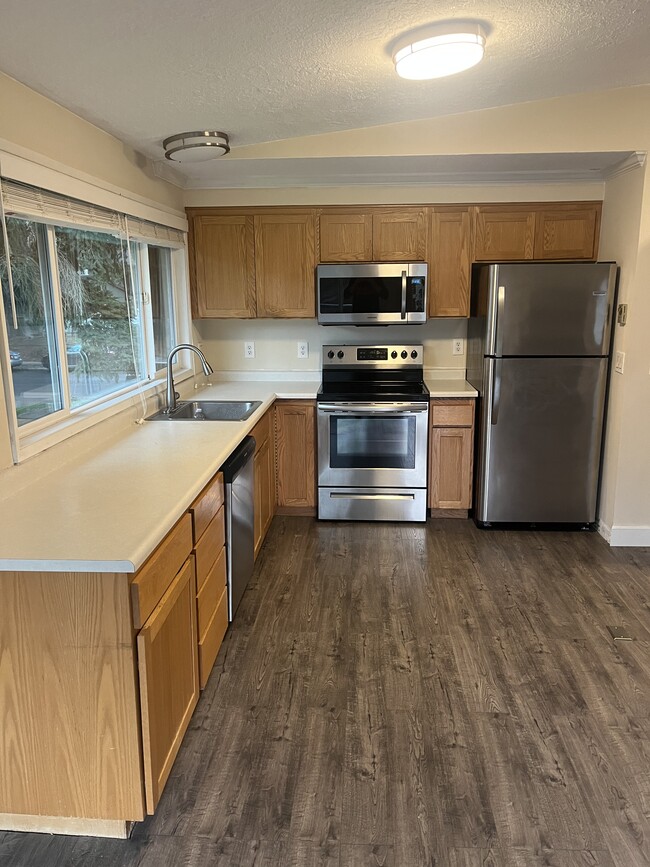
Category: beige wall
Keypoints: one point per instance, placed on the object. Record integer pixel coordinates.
(609, 120)
(620, 243)
(34, 122)
(276, 342)
(378, 195)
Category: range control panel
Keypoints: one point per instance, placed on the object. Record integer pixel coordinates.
(394, 356)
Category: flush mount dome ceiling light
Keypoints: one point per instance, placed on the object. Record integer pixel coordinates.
(196, 147)
(440, 50)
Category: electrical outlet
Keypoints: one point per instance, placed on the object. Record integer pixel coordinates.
(249, 349)
(303, 349)
(458, 346)
(619, 364)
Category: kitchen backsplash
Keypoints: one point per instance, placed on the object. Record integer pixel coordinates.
(276, 342)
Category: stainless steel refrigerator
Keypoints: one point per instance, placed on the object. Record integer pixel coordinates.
(539, 340)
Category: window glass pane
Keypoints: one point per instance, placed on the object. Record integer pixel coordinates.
(33, 356)
(162, 302)
(102, 314)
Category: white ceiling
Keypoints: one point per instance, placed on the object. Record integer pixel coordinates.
(264, 70)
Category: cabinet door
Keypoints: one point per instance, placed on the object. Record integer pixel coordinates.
(224, 267)
(451, 468)
(562, 233)
(502, 234)
(399, 236)
(345, 238)
(169, 679)
(296, 449)
(450, 263)
(285, 258)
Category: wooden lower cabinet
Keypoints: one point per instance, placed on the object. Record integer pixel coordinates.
(295, 431)
(264, 470)
(169, 679)
(208, 513)
(451, 451)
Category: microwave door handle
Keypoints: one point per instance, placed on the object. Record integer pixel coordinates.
(403, 311)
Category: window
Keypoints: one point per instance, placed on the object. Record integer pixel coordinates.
(90, 304)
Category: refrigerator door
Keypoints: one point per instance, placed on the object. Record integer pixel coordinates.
(550, 308)
(540, 438)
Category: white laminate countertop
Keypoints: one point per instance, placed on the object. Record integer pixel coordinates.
(109, 510)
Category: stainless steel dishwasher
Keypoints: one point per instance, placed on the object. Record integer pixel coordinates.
(240, 489)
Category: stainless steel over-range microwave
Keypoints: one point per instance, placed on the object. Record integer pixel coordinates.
(372, 293)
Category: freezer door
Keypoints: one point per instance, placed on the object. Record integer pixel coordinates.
(550, 308)
(540, 438)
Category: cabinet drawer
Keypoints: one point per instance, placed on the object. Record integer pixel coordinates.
(153, 579)
(209, 647)
(208, 547)
(206, 505)
(452, 414)
(262, 430)
(210, 593)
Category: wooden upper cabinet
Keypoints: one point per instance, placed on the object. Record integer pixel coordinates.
(449, 262)
(224, 266)
(399, 236)
(502, 234)
(567, 232)
(345, 237)
(285, 258)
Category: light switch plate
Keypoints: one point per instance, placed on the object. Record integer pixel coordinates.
(619, 363)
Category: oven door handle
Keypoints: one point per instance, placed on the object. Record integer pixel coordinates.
(372, 409)
(403, 310)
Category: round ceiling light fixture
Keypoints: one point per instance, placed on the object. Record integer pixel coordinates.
(440, 50)
(196, 147)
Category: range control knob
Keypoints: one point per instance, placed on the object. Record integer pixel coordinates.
(393, 354)
(340, 353)
(404, 353)
(414, 354)
(330, 354)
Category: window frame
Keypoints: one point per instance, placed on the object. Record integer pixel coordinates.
(33, 437)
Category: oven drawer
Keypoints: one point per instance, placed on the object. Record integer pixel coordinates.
(372, 504)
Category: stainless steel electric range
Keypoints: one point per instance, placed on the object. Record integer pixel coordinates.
(373, 410)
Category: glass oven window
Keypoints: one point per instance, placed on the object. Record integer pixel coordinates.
(367, 442)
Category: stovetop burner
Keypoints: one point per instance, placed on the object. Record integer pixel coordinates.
(373, 374)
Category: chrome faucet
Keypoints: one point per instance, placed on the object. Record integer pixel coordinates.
(171, 392)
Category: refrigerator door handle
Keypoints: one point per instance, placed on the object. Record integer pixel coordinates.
(496, 392)
(501, 303)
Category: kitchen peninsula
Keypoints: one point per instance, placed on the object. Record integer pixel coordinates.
(71, 550)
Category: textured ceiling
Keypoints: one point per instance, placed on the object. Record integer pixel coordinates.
(264, 70)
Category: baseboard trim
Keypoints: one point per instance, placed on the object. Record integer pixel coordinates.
(114, 828)
(627, 537)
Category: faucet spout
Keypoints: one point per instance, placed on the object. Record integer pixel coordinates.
(171, 391)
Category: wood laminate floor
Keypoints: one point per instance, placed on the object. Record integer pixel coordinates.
(410, 696)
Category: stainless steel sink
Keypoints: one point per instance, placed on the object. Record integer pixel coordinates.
(209, 410)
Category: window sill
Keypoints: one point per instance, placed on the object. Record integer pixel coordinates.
(139, 398)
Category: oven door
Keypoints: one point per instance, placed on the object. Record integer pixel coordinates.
(372, 445)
